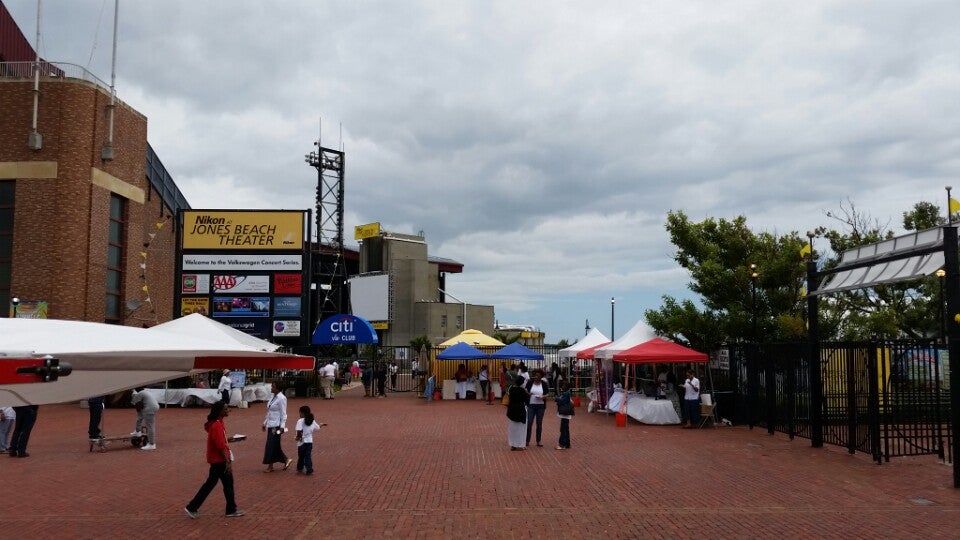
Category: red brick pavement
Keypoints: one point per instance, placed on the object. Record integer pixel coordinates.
(401, 467)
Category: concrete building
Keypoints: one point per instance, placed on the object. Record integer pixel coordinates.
(415, 302)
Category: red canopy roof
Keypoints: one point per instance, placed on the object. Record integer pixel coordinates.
(659, 351)
(587, 354)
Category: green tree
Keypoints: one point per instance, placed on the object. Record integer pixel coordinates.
(718, 253)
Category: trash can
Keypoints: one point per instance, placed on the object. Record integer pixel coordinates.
(300, 387)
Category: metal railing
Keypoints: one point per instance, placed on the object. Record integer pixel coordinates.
(50, 70)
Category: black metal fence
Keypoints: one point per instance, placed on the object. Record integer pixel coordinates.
(883, 398)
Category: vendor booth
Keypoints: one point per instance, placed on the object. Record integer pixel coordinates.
(460, 352)
(603, 375)
(576, 356)
(661, 407)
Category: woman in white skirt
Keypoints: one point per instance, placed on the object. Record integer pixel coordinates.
(517, 417)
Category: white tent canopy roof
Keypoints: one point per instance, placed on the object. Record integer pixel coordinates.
(196, 325)
(593, 338)
(108, 358)
(635, 336)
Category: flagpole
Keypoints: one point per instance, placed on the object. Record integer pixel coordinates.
(949, 213)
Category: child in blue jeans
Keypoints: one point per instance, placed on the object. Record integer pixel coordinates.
(306, 425)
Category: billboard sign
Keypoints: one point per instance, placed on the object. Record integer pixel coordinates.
(195, 284)
(286, 328)
(287, 283)
(243, 262)
(241, 284)
(237, 230)
(255, 327)
(370, 230)
(286, 306)
(195, 305)
(241, 306)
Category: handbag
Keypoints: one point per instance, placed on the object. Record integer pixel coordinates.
(505, 400)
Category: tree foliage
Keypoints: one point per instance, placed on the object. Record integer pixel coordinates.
(732, 305)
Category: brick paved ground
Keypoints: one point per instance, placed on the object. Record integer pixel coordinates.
(403, 468)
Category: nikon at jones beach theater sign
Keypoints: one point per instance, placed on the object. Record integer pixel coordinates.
(212, 230)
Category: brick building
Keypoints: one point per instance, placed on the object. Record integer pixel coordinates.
(86, 234)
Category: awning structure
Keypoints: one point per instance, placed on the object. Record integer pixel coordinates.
(898, 259)
(592, 340)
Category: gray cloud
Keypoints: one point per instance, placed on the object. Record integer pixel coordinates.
(542, 144)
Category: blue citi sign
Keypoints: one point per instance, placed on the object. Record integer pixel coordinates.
(344, 329)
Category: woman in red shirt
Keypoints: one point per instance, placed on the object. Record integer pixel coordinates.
(220, 459)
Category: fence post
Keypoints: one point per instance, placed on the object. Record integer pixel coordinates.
(813, 340)
(753, 383)
(873, 402)
(951, 262)
(850, 377)
(790, 389)
(770, 390)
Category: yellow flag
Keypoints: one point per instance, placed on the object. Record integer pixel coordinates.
(806, 250)
(954, 206)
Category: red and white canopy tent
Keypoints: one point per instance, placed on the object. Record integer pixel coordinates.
(109, 358)
(603, 367)
(659, 351)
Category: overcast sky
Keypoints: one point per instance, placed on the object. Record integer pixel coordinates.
(541, 143)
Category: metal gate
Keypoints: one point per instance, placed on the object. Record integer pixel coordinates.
(883, 398)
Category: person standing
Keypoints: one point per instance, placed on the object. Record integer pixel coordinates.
(26, 417)
(381, 380)
(327, 375)
(393, 375)
(7, 418)
(275, 423)
(691, 399)
(538, 389)
(354, 371)
(461, 377)
(306, 425)
(95, 406)
(224, 387)
(484, 378)
(517, 416)
(147, 407)
(565, 412)
(366, 377)
(221, 464)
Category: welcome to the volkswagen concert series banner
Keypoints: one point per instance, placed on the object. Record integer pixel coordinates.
(204, 229)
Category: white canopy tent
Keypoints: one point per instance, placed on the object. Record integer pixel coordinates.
(199, 326)
(109, 358)
(635, 336)
(593, 338)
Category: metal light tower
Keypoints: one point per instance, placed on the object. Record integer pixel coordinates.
(329, 272)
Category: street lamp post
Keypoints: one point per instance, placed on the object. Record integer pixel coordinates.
(16, 303)
(949, 213)
(753, 301)
(612, 303)
(941, 316)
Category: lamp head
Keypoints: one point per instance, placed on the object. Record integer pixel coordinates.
(940, 273)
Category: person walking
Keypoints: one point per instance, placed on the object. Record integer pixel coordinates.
(95, 406)
(517, 416)
(220, 459)
(328, 374)
(275, 423)
(366, 377)
(381, 380)
(691, 399)
(354, 371)
(224, 387)
(306, 425)
(565, 412)
(26, 417)
(7, 418)
(147, 407)
(538, 389)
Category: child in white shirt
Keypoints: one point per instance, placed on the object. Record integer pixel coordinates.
(306, 425)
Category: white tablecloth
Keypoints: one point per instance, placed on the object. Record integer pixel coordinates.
(644, 409)
(186, 397)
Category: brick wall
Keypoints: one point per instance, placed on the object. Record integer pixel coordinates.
(61, 224)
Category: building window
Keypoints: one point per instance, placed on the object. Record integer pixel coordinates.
(443, 321)
(459, 321)
(115, 259)
(7, 189)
